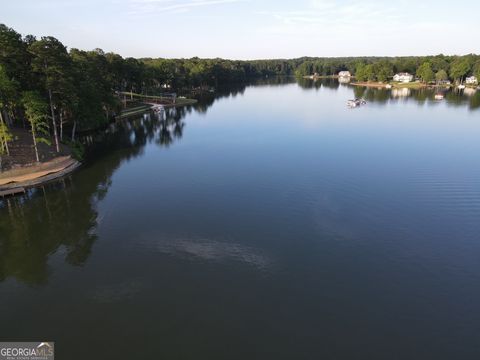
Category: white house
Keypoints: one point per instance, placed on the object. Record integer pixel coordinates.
(403, 77)
(344, 74)
(472, 80)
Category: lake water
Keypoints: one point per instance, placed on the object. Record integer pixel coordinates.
(266, 222)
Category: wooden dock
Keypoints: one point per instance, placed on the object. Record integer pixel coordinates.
(12, 192)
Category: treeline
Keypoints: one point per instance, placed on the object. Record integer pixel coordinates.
(195, 72)
(426, 68)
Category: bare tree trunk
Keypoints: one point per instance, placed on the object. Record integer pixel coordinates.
(73, 130)
(35, 143)
(6, 148)
(55, 135)
(4, 141)
(8, 119)
(61, 125)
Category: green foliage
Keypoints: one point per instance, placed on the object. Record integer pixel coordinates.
(476, 70)
(425, 72)
(94, 84)
(8, 91)
(439, 62)
(36, 113)
(78, 150)
(360, 72)
(14, 57)
(51, 62)
(365, 72)
(459, 68)
(441, 75)
(7, 87)
(383, 70)
(5, 137)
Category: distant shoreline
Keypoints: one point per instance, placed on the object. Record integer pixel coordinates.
(410, 85)
(313, 77)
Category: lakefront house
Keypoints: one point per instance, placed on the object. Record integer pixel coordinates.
(471, 80)
(403, 77)
(344, 74)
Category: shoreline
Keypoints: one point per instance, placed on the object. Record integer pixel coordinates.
(16, 180)
(370, 84)
(313, 77)
(410, 85)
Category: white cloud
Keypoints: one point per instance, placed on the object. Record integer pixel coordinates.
(173, 6)
(322, 12)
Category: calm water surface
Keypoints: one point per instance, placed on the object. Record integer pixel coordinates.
(270, 222)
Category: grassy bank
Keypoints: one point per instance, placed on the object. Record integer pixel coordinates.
(182, 102)
(133, 111)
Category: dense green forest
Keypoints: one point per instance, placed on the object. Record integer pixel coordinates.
(48, 89)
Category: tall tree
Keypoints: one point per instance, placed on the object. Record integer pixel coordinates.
(425, 72)
(5, 137)
(459, 68)
(14, 56)
(14, 71)
(51, 61)
(383, 70)
(8, 94)
(36, 113)
(441, 75)
(94, 85)
(476, 70)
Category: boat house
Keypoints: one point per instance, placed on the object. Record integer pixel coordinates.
(343, 74)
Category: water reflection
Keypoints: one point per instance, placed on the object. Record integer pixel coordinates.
(469, 97)
(62, 218)
(401, 92)
(206, 98)
(344, 80)
(319, 83)
(52, 220)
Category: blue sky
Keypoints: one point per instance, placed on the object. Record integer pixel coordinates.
(248, 29)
